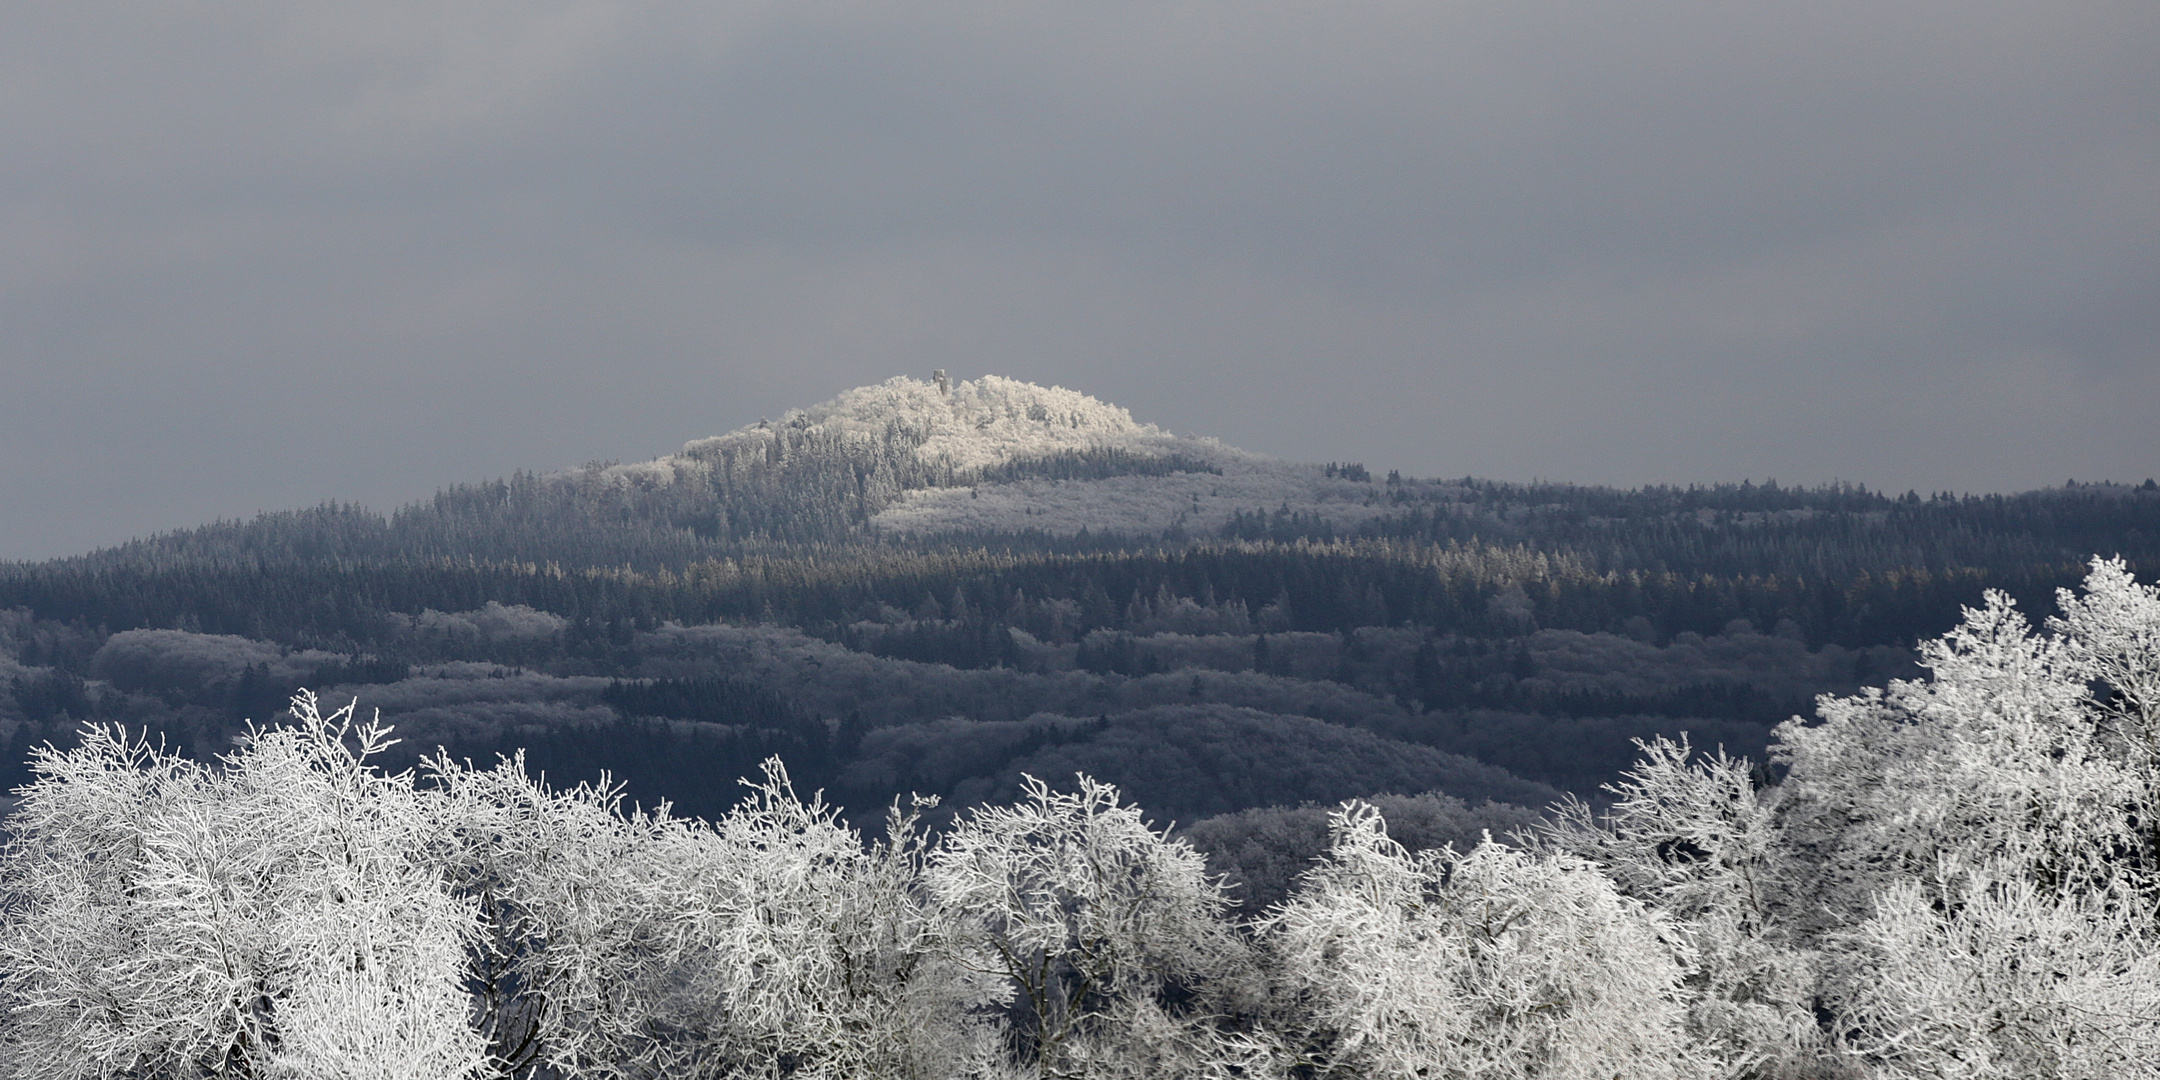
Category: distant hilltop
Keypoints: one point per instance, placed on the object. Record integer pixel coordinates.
(965, 426)
(994, 454)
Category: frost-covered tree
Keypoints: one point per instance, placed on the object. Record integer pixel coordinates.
(1107, 935)
(2111, 634)
(1693, 837)
(1975, 849)
(773, 942)
(1980, 973)
(1956, 875)
(1998, 757)
(273, 916)
(1497, 963)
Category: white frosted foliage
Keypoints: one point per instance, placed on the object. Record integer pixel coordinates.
(1085, 913)
(275, 917)
(1982, 973)
(1998, 757)
(2111, 633)
(1691, 836)
(1496, 963)
(628, 944)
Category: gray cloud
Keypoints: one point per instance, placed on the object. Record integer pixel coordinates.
(255, 256)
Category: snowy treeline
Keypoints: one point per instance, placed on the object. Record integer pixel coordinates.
(1954, 877)
(1009, 464)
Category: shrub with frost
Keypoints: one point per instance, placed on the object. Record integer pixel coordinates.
(773, 942)
(1107, 936)
(1981, 973)
(1498, 963)
(275, 915)
(1692, 836)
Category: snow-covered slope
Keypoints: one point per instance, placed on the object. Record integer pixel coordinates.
(968, 425)
(959, 430)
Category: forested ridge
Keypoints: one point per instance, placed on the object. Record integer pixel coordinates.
(1520, 650)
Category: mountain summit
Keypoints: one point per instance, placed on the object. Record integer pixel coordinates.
(964, 427)
(908, 456)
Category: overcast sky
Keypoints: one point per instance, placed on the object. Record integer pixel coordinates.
(260, 256)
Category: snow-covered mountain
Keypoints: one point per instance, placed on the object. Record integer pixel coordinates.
(967, 425)
(969, 444)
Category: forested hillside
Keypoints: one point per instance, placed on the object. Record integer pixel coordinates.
(938, 589)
